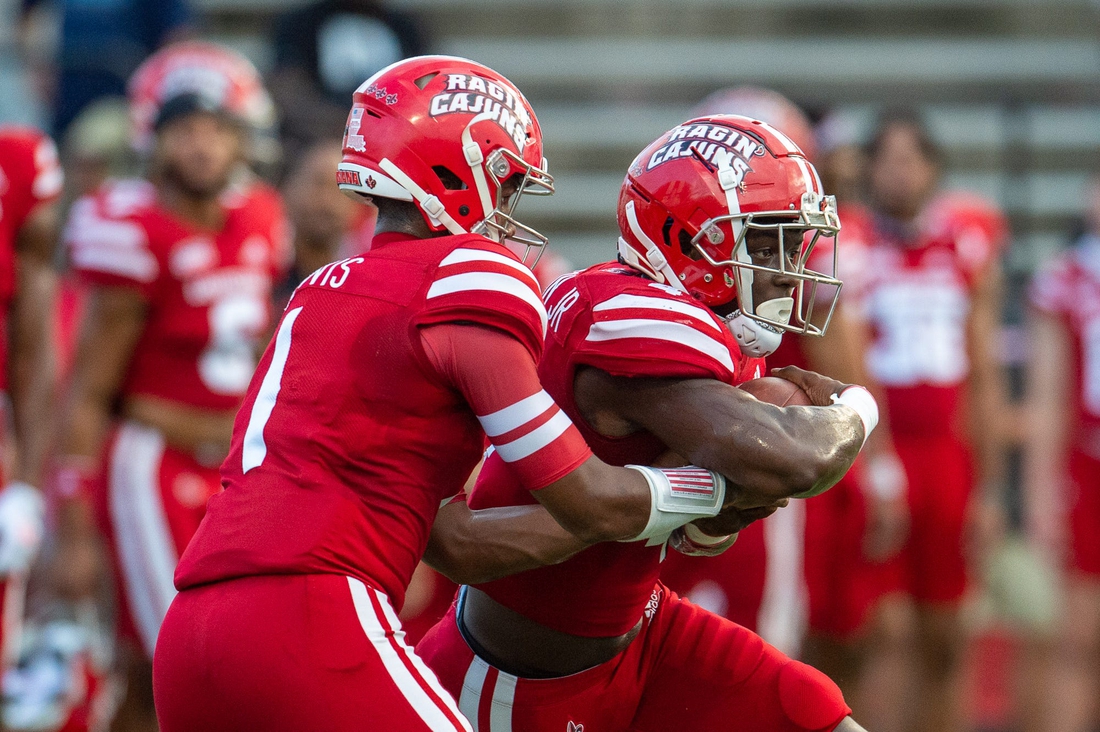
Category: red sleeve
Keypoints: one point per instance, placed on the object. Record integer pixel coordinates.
(483, 283)
(110, 250)
(498, 378)
(31, 173)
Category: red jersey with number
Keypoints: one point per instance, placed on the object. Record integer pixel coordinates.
(612, 318)
(1068, 288)
(915, 289)
(352, 435)
(208, 292)
(30, 176)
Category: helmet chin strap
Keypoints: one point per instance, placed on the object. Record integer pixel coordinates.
(759, 339)
(430, 204)
(654, 264)
(728, 180)
(475, 158)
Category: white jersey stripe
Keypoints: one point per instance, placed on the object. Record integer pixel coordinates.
(626, 302)
(419, 688)
(145, 546)
(254, 449)
(500, 714)
(461, 256)
(473, 686)
(662, 330)
(516, 415)
(536, 439)
(489, 282)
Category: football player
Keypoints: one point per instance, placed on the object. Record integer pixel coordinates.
(1063, 465)
(644, 355)
(928, 299)
(809, 567)
(369, 410)
(180, 267)
(30, 183)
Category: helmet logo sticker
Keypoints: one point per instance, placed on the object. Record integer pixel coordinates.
(352, 139)
(380, 93)
(348, 178)
(471, 94)
(712, 145)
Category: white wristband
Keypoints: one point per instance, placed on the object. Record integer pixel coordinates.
(864, 405)
(679, 496)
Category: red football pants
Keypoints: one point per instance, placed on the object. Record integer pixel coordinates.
(687, 669)
(150, 501)
(931, 567)
(293, 653)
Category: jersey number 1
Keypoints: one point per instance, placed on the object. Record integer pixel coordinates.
(255, 449)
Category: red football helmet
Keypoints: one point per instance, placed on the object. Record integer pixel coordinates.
(689, 200)
(449, 135)
(198, 75)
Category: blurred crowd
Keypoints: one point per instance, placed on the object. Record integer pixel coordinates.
(906, 583)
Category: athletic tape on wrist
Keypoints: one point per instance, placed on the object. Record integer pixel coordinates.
(679, 496)
(864, 405)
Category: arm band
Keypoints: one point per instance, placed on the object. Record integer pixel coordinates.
(864, 405)
(680, 495)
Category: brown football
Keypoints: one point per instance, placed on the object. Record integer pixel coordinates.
(774, 390)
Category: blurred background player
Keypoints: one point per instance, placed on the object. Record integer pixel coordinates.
(30, 184)
(928, 297)
(1063, 467)
(324, 222)
(180, 267)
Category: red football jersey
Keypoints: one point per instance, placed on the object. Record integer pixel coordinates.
(30, 175)
(209, 293)
(355, 429)
(914, 288)
(612, 318)
(1068, 288)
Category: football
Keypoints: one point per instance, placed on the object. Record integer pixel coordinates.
(777, 391)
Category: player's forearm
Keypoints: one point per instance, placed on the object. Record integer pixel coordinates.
(768, 453)
(788, 452)
(597, 502)
(32, 371)
(471, 547)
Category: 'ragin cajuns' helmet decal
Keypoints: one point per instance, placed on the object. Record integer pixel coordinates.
(690, 198)
(447, 134)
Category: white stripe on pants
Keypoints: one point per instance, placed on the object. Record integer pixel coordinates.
(143, 538)
(474, 688)
(418, 684)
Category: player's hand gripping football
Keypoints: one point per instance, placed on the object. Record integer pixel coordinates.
(820, 389)
(732, 520)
